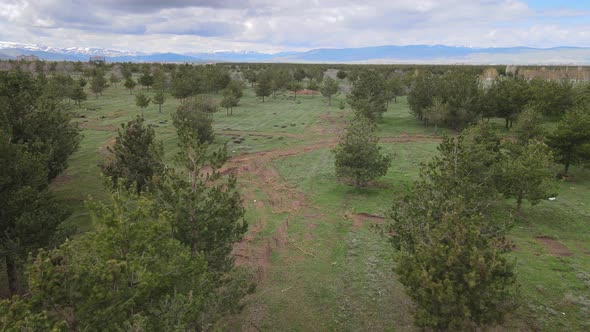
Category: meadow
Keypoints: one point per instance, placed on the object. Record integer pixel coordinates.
(318, 262)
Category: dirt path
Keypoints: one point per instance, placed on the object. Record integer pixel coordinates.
(281, 198)
(554, 247)
(258, 176)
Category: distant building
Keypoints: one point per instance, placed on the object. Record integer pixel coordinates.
(24, 57)
(98, 59)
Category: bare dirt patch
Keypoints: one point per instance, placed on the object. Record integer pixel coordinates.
(359, 219)
(305, 92)
(554, 247)
(104, 148)
(98, 127)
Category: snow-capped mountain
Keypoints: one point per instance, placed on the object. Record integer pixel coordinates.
(88, 51)
(425, 54)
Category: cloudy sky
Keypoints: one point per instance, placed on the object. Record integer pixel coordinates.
(279, 25)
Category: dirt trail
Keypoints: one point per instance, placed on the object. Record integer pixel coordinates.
(554, 247)
(359, 219)
(260, 176)
(281, 197)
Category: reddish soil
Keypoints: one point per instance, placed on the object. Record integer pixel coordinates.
(104, 147)
(305, 92)
(359, 219)
(255, 252)
(98, 127)
(554, 247)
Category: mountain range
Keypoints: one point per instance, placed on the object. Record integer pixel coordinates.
(431, 54)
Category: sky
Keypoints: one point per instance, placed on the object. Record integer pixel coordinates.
(185, 26)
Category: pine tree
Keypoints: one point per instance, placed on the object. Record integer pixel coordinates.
(571, 140)
(78, 95)
(329, 88)
(142, 101)
(264, 87)
(146, 79)
(358, 156)
(114, 78)
(36, 141)
(294, 86)
(195, 113)
(98, 84)
(529, 126)
(130, 84)
(136, 157)
(128, 274)
(524, 172)
(159, 99)
(450, 251)
(368, 96)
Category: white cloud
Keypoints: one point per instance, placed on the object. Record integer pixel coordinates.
(184, 26)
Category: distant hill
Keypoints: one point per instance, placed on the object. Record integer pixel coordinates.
(433, 54)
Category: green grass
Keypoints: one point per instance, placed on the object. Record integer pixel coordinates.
(333, 275)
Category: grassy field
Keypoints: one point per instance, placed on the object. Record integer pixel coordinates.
(318, 262)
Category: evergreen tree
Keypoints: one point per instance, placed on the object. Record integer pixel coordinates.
(142, 101)
(195, 113)
(280, 80)
(159, 99)
(263, 88)
(358, 156)
(36, 140)
(251, 76)
(78, 95)
(128, 274)
(294, 86)
(450, 251)
(130, 84)
(458, 276)
(368, 96)
(98, 84)
(136, 157)
(329, 88)
(394, 88)
(571, 140)
(114, 78)
(228, 102)
(529, 126)
(207, 213)
(313, 85)
(524, 172)
(436, 113)
(341, 74)
(146, 79)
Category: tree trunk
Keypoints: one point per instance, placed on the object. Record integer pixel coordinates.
(330, 101)
(12, 275)
(295, 95)
(263, 98)
(395, 99)
(518, 204)
(506, 123)
(160, 108)
(567, 167)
